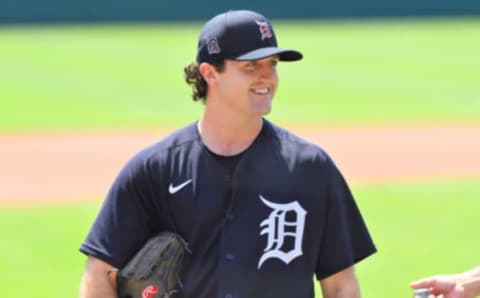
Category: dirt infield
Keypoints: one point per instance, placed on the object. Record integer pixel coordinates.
(66, 168)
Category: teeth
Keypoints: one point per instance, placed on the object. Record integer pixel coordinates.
(262, 91)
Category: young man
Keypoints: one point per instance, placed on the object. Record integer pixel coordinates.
(263, 211)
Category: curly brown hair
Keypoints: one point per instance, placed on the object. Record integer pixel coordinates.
(194, 78)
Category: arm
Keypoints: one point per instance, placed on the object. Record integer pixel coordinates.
(463, 285)
(471, 282)
(343, 284)
(96, 281)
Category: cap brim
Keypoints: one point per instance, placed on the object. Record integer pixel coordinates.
(284, 54)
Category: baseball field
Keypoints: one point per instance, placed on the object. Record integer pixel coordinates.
(395, 102)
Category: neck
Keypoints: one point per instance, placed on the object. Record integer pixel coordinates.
(226, 136)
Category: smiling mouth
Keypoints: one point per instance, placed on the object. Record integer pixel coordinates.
(261, 91)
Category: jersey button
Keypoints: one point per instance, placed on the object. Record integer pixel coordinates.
(230, 216)
(229, 257)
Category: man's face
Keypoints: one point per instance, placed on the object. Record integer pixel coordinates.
(248, 87)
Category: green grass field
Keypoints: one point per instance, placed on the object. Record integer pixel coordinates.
(111, 77)
(87, 78)
(419, 229)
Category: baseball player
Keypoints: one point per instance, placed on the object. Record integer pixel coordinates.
(262, 210)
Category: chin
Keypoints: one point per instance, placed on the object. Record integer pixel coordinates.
(264, 112)
(261, 108)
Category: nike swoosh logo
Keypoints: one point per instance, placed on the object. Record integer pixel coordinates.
(174, 189)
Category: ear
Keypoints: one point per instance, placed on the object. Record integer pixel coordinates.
(208, 72)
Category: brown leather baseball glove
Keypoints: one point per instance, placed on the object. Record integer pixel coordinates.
(154, 272)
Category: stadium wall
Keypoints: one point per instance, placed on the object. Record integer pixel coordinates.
(53, 11)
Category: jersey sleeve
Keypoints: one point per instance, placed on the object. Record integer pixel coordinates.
(126, 219)
(346, 239)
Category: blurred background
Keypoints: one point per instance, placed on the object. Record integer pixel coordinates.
(390, 89)
(20, 11)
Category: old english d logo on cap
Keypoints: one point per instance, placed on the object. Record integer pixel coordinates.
(240, 35)
(264, 29)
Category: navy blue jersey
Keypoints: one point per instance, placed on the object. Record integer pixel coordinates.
(282, 216)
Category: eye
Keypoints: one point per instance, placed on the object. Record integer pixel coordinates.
(251, 64)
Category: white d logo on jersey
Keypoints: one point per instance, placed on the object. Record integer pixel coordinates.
(275, 227)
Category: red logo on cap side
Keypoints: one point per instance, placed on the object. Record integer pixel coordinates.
(265, 30)
(150, 291)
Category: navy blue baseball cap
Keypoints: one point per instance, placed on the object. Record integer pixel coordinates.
(240, 35)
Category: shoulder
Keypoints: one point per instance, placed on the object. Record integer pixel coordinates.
(162, 150)
(183, 137)
(293, 145)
